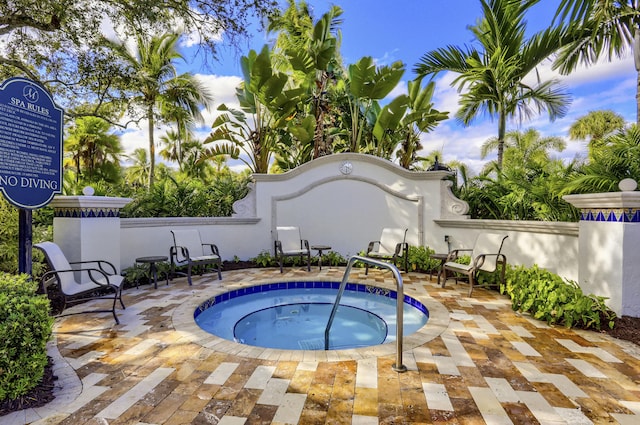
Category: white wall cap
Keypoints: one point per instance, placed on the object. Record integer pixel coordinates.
(89, 202)
(355, 158)
(604, 200)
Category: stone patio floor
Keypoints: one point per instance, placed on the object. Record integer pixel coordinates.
(475, 362)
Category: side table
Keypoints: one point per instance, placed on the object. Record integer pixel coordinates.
(153, 271)
(320, 248)
(442, 258)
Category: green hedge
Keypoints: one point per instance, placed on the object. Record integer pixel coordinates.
(25, 328)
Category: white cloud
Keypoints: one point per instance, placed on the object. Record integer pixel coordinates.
(193, 38)
(223, 90)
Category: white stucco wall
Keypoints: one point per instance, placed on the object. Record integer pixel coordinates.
(345, 201)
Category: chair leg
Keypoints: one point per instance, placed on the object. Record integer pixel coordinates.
(471, 279)
(366, 269)
(113, 308)
(444, 277)
(119, 292)
(219, 270)
(308, 262)
(189, 273)
(280, 262)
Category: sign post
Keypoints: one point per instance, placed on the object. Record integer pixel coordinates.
(30, 153)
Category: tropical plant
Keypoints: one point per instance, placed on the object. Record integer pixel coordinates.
(492, 79)
(594, 126)
(366, 85)
(525, 149)
(311, 51)
(266, 105)
(92, 151)
(420, 118)
(171, 197)
(419, 259)
(555, 300)
(527, 187)
(616, 158)
(157, 86)
(42, 230)
(264, 259)
(137, 174)
(600, 28)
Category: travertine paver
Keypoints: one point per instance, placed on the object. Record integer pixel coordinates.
(475, 362)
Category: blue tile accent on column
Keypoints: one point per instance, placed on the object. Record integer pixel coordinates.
(612, 215)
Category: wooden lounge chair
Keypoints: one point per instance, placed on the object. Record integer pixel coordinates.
(81, 281)
(289, 243)
(485, 256)
(188, 250)
(391, 246)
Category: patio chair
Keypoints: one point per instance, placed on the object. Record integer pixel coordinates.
(289, 243)
(391, 246)
(485, 255)
(189, 251)
(81, 281)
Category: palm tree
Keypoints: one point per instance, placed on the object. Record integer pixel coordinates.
(617, 158)
(524, 149)
(600, 27)
(138, 173)
(492, 78)
(95, 153)
(156, 85)
(595, 126)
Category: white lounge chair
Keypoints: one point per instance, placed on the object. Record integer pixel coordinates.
(289, 243)
(391, 246)
(97, 279)
(485, 255)
(188, 250)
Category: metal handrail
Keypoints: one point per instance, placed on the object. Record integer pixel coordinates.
(398, 366)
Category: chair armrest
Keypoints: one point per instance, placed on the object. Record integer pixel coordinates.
(479, 260)
(106, 276)
(90, 272)
(454, 254)
(372, 245)
(277, 246)
(304, 244)
(101, 264)
(402, 247)
(213, 248)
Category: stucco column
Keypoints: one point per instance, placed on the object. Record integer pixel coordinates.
(88, 227)
(609, 258)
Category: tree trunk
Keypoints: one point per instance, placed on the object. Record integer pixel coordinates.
(152, 147)
(502, 124)
(636, 58)
(320, 145)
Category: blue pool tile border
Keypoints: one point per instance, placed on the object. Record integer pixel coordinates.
(266, 287)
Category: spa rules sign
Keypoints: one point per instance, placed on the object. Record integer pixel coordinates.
(30, 144)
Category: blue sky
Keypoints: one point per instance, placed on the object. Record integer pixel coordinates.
(405, 30)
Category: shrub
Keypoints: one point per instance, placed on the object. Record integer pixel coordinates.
(420, 259)
(25, 328)
(549, 297)
(333, 258)
(139, 273)
(264, 259)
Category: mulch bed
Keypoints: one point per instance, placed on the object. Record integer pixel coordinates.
(626, 328)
